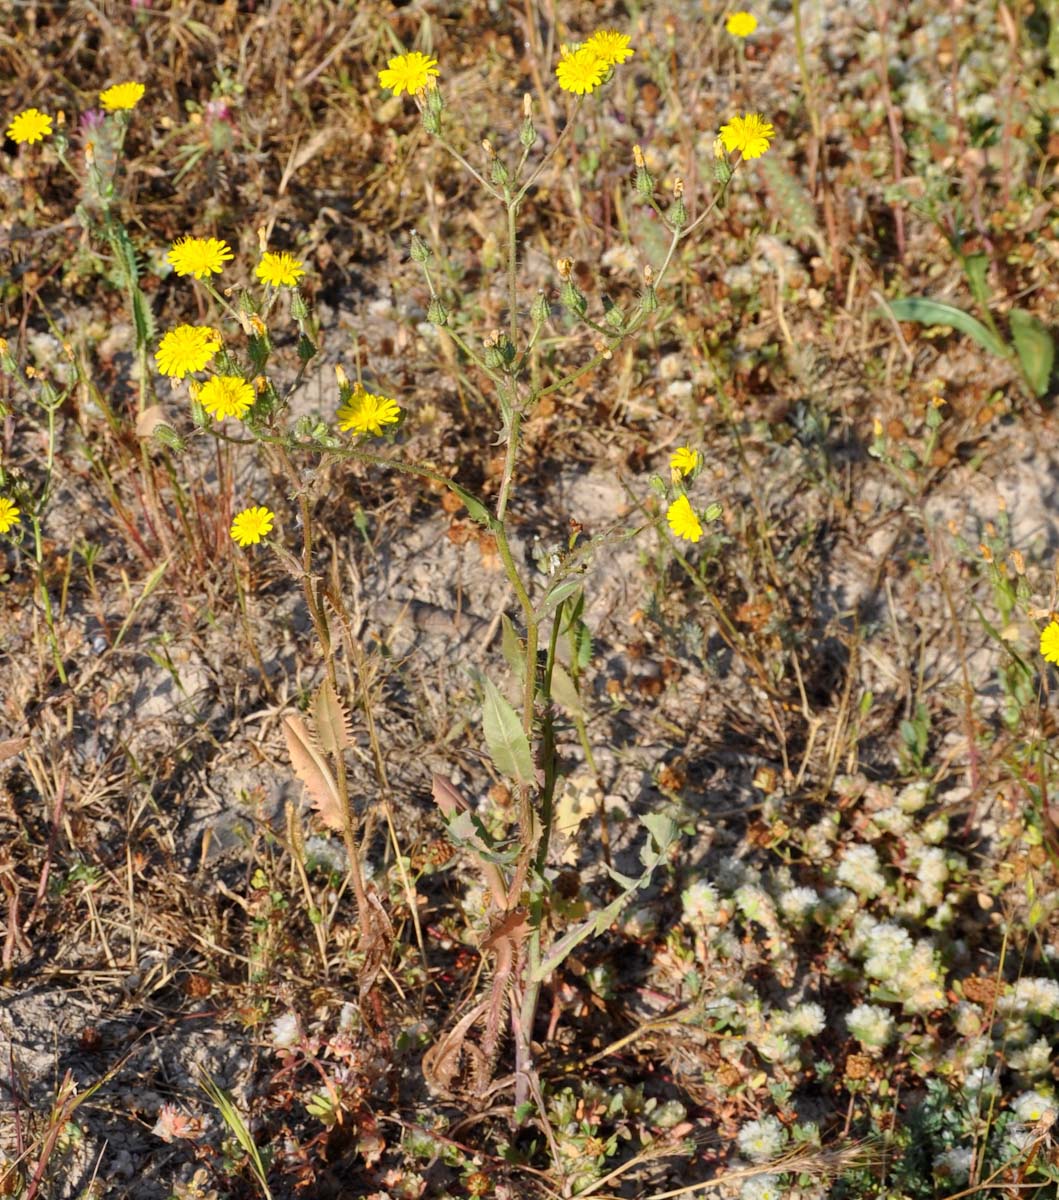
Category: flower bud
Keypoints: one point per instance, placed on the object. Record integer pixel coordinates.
(299, 309)
(678, 214)
(722, 171)
(420, 251)
(435, 102)
(431, 121)
(572, 298)
(540, 309)
(527, 135)
(649, 299)
(437, 313)
(499, 173)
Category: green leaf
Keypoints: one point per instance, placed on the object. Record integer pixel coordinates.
(933, 312)
(560, 592)
(508, 745)
(564, 691)
(976, 267)
(1035, 347)
(475, 508)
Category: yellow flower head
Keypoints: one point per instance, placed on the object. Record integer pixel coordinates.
(1050, 642)
(29, 126)
(750, 135)
(280, 270)
(741, 24)
(200, 257)
(185, 349)
(683, 521)
(251, 525)
(580, 70)
(408, 73)
(684, 460)
(364, 413)
(9, 514)
(610, 46)
(226, 396)
(122, 96)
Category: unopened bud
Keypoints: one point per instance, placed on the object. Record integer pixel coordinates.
(722, 171)
(435, 102)
(572, 298)
(431, 121)
(678, 214)
(437, 313)
(420, 251)
(527, 135)
(499, 172)
(540, 309)
(649, 300)
(299, 309)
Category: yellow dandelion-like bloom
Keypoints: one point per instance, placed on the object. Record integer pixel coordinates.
(684, 460)
(280, 270)
(1050, 642)
(364, 413)
(9, 514)
(408, 73)
(750, 135)
(741, 24)
(251, 525)
(683, 521)
(200, 257)
(226, 396)
(185, 349)
(580, 71)
(29, 126)
(122, 96)
(611, 47)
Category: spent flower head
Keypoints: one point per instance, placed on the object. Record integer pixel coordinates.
(122, 96)
(750, 135)
(1050, 642)
(611, 47)
(251, 525)
(741, 24)
(408, 73)
(30, 125)
(10, 514)
(580, 70)
(279, 270)
(365, 413)
(683, 520)
(185, 349)
(200, 257)
(226, 396)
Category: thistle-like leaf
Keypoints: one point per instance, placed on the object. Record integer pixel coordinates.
(312, 769)
(331, 720)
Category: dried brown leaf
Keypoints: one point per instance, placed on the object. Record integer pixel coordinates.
(330, 720)
(311, 768)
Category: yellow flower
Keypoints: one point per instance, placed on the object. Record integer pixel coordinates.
(121, 96)
(280, 270)
(741, 24)
(197, 256)
(9, 514)
(750, 135)
(226, 396)
(29, 126)
(610, 46)
(684, 460)
(408, 72)
(185, 349)
(683, 521)
(251, 525)
(1050, 642)
(580, 70)
(364, 413)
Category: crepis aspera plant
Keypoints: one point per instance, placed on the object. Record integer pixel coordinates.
(235, 395)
